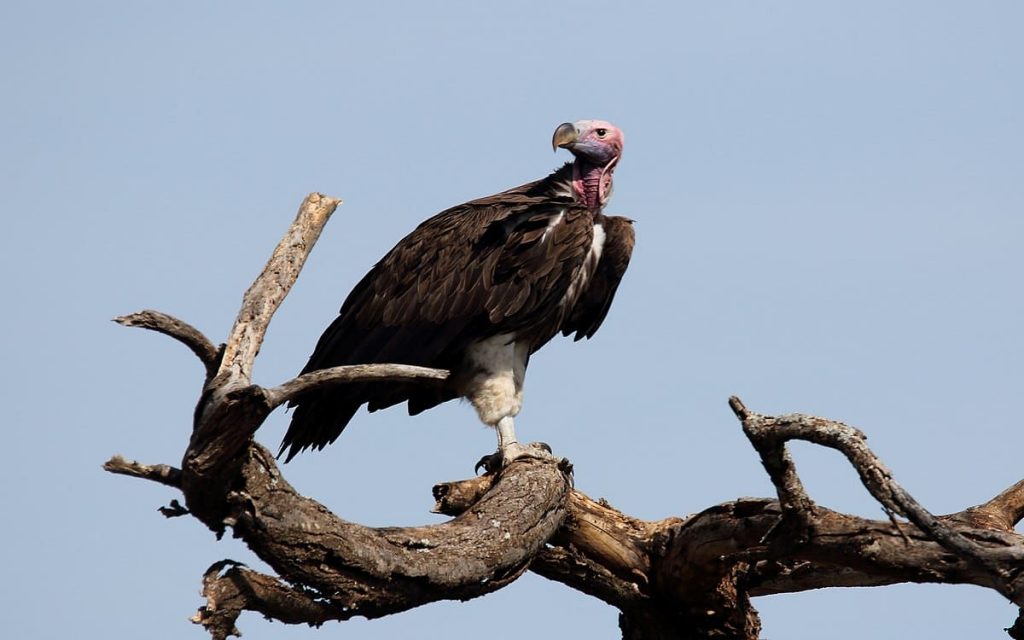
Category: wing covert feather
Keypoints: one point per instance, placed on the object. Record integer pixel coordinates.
(495, 265)
(592, 307)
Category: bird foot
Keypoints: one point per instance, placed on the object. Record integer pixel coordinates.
(512, 452)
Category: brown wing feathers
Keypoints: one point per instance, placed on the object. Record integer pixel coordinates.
(592, 307)
(490, 266)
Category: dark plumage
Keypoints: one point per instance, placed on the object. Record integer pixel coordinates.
(524, 264)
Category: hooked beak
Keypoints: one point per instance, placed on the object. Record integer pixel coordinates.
(565, 135)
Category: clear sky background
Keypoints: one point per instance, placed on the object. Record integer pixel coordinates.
(829, 203)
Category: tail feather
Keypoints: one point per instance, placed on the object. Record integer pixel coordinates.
(321, 416)
(317, 422)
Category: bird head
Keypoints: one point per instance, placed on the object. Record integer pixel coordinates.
(597, 146)
(595, 141)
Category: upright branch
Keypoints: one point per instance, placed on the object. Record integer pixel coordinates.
(231, 409)
(268, 291)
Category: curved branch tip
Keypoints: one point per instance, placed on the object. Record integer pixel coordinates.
(180, 330)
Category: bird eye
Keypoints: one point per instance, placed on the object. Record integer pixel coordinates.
(601, 133)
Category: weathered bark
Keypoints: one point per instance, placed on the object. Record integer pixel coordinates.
(690, 577)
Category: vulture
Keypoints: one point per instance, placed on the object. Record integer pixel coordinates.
(477, 289)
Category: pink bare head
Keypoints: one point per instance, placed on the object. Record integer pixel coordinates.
(597, 145)
(597, 141)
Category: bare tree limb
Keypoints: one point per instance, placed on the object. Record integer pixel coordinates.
(325, 378)
(181, 331)
(380, 571)
(610, 549)
(162, 473)
(268, 291)
(692, 559)
(769, 434)
(231, 409)
(229, 593)
(578, 570)
(796, 504)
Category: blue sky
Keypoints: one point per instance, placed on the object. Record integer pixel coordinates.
(829, 204)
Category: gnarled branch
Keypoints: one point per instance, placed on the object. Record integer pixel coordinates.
(334, 569)
(690, 577)
(769, 435)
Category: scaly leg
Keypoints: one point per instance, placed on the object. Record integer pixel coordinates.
(509, 448)
(508, 444)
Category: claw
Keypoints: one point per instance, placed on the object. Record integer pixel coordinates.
(538, 450)
(489, 463)
(500, 459)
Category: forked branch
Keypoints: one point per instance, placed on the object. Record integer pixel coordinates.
(769, 436)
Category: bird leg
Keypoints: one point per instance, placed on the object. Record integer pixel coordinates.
(507, 441)
(509, 448)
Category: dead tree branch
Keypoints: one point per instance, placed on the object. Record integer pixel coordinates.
(181, 331)
(162, 473)
(691, 577)
(769, 436)
(229, 593)
(324, 378)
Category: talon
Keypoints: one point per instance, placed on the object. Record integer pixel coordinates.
(509, 448)
(489, 463)
(536, 450)
(565, 467)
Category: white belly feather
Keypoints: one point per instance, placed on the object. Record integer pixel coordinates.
(495, 367)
